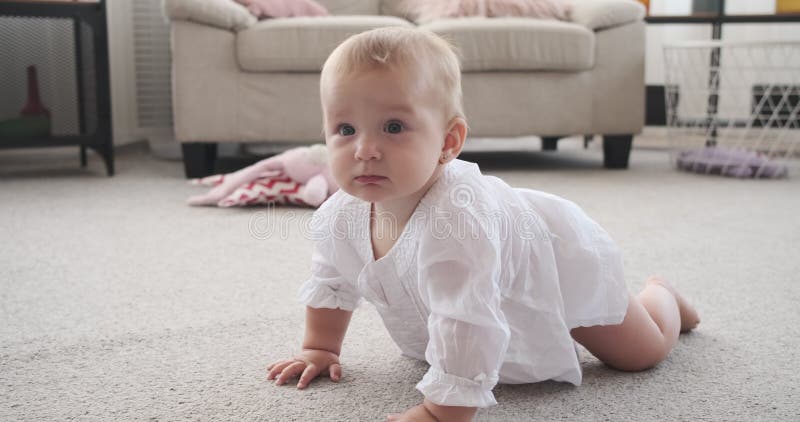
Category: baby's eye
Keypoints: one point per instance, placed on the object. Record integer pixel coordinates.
(393, 127)
(346, 130)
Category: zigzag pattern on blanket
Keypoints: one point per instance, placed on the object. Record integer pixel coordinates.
(278, 189)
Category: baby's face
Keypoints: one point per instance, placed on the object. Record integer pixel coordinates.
(385, 132)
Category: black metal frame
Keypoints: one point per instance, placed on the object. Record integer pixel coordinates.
(718, 20)
(93, 14)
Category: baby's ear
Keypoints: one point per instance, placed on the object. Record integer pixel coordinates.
(455, 136)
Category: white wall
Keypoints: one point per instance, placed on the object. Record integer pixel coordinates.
(658, 35)
(123, 97)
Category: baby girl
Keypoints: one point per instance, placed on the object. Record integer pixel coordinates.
(485, 282)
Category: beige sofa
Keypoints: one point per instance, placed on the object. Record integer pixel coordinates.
(236, 79)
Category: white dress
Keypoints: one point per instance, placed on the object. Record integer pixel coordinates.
(484, 282)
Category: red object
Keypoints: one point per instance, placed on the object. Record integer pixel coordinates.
(34, 107)
(275, 188)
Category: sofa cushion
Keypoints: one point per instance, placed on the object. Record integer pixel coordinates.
(397, 8)
(512, 44)
(593, 14)
(300, 44)
(352, 7)
(423, 11)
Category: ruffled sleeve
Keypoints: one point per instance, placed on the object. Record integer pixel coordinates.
(468, 333)
(328, 286)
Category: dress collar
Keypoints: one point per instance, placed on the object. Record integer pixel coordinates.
(402, 253)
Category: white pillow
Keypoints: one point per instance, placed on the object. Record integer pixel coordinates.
(598, 14)
(225, 14)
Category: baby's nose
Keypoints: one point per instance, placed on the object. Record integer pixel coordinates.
(367, 149)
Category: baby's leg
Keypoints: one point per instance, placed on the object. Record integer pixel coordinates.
(689, 316)
(650, 329)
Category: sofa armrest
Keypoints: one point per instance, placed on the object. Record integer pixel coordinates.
(225, 14)
(603, 14)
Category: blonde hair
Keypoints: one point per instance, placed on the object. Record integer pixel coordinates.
(413, 49)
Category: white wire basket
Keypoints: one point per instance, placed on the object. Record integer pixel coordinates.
(732, 108)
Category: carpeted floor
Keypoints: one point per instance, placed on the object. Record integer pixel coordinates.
(119, 302)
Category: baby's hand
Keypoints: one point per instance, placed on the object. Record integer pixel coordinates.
(310, 362)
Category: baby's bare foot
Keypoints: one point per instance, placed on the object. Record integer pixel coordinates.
(689, 316)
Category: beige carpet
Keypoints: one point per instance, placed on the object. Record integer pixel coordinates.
(119, 302)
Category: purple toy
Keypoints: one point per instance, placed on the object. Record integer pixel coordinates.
(730, 162)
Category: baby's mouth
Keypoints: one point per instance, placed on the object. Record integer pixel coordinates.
(370, 178)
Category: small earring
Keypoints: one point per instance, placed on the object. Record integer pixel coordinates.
(445, 157)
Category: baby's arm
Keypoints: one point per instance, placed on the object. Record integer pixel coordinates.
(325, 330)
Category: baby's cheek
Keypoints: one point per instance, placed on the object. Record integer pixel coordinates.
(341, 170)
(336, 156)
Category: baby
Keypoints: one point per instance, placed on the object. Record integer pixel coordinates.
(485, 282)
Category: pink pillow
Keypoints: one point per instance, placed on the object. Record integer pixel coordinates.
(283, 8)
(428, 10)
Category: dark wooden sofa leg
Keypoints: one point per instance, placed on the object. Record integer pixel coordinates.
(549, 143)
(616, 151)
(199, 159)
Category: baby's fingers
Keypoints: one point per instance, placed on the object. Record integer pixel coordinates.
(273, 364)
(278, 367)
(290, 371)
(309, 374)
(336, 372)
